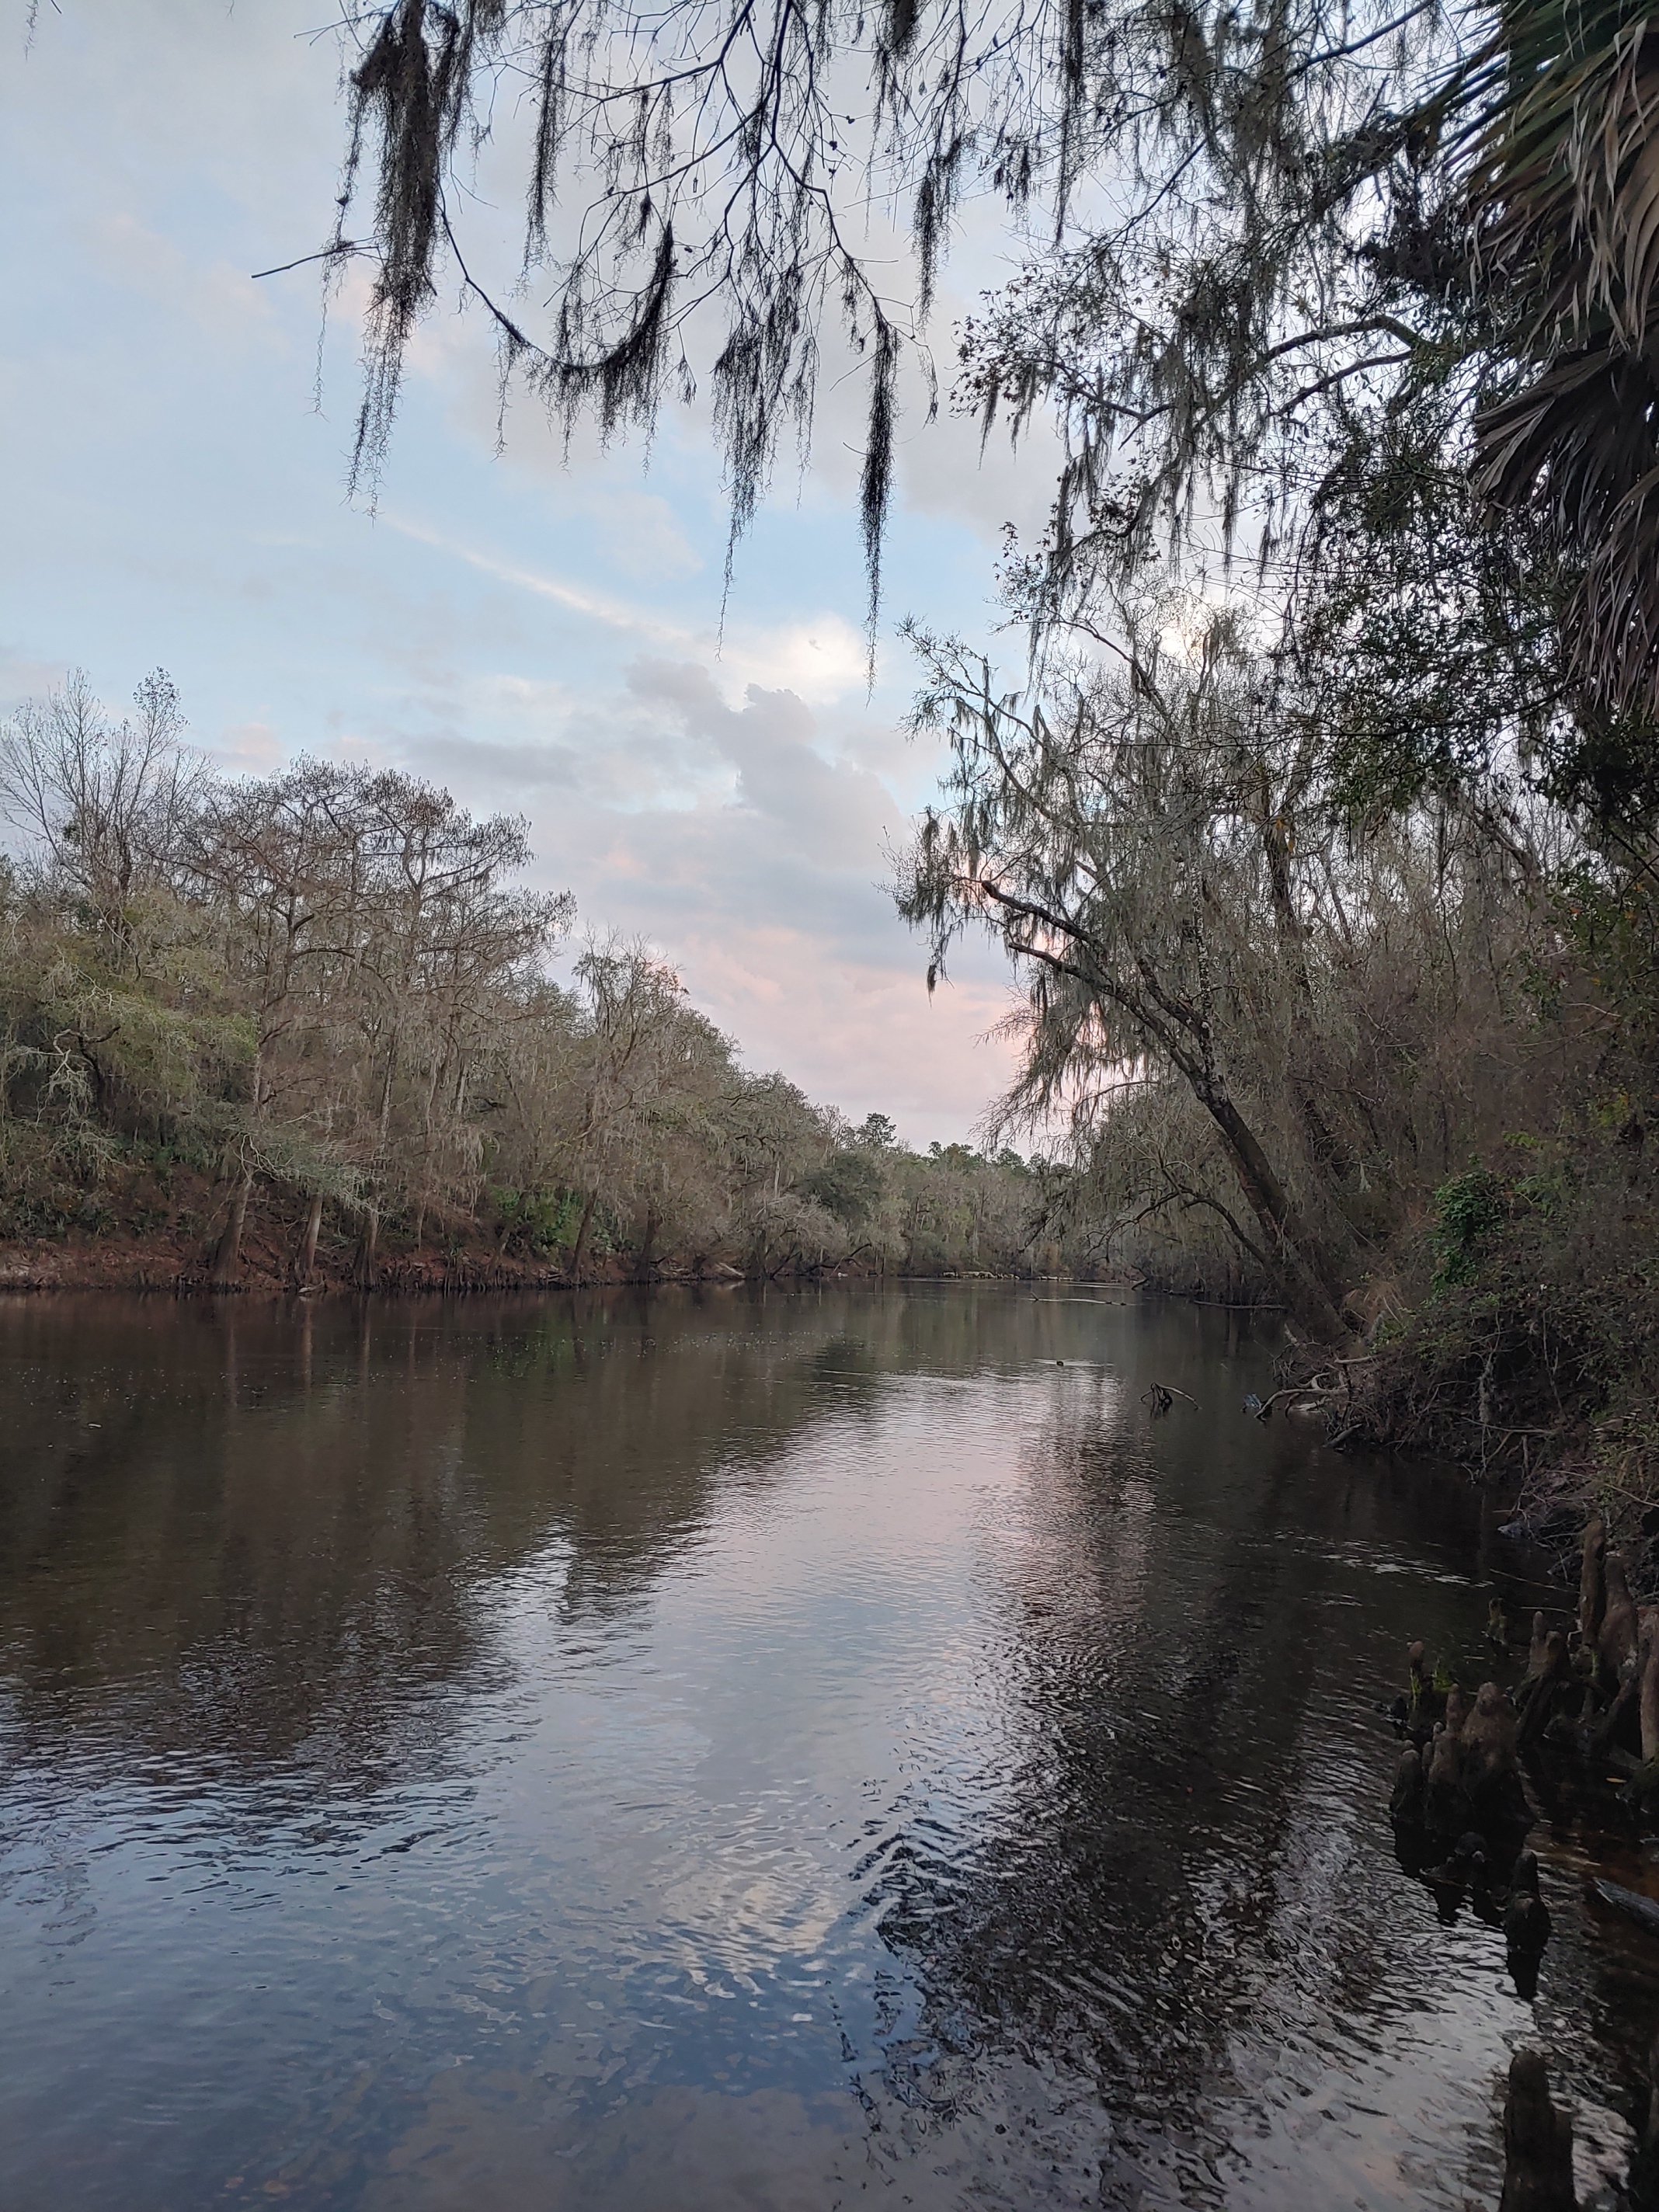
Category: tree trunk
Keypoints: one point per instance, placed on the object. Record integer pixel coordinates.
(1304, 1281)
(579, 1256)
(365, 1270)
(304, 1257)
(229, 1250)
(648, 1252)
(1326, 1146)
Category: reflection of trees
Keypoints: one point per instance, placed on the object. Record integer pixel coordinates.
(280, 1556)
(277, 1542)
(1176, 1861)
(259, 1531)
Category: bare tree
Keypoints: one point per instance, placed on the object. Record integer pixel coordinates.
(101, 802)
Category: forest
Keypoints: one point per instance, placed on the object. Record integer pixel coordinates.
(306, 1028)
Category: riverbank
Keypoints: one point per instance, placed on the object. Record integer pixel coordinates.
(179, 1267)
(177, 1255)
(115, 1265)
(1521, 1341)
(151, 1234)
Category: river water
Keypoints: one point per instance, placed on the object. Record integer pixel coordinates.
(787, 1752)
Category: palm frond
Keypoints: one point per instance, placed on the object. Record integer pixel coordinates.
(1563, 199)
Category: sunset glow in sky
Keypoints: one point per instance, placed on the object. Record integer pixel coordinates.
(539, 636)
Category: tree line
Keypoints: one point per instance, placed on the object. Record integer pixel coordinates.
(323, 1002)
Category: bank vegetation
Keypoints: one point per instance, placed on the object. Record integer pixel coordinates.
(1338, 919)
(309, 1027)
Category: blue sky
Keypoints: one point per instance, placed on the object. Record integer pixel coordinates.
(538, 635)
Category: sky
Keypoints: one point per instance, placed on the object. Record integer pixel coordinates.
(540, 632)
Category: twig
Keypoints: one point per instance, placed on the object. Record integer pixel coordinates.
(1290, 1390)
(329, 253)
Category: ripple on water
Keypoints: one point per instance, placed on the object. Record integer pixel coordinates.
(827, 1751)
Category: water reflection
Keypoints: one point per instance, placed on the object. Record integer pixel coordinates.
(729, 1749)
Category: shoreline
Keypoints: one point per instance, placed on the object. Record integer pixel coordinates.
(161, 1268)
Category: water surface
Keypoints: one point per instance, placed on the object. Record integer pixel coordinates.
(787, 1751)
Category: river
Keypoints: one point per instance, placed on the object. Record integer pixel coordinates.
(787, 1750)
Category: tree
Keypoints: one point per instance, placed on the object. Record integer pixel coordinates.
(1241, 999)
(379, 945)
(1301, 200)
(1130, 852)
(108, 1014)
(689, 170)
(274, 861)
(102, 800)
(850, 1185)
(640, 1102)
(1558, 196)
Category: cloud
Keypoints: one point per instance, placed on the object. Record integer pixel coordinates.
(218, 300)
(822, 657)
(749, 847)
(27, 676)
(249, 749)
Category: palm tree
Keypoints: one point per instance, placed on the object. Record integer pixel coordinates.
(1563, 198)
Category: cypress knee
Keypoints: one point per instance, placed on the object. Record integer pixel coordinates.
(1592, 1582)
(1537, 2142)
